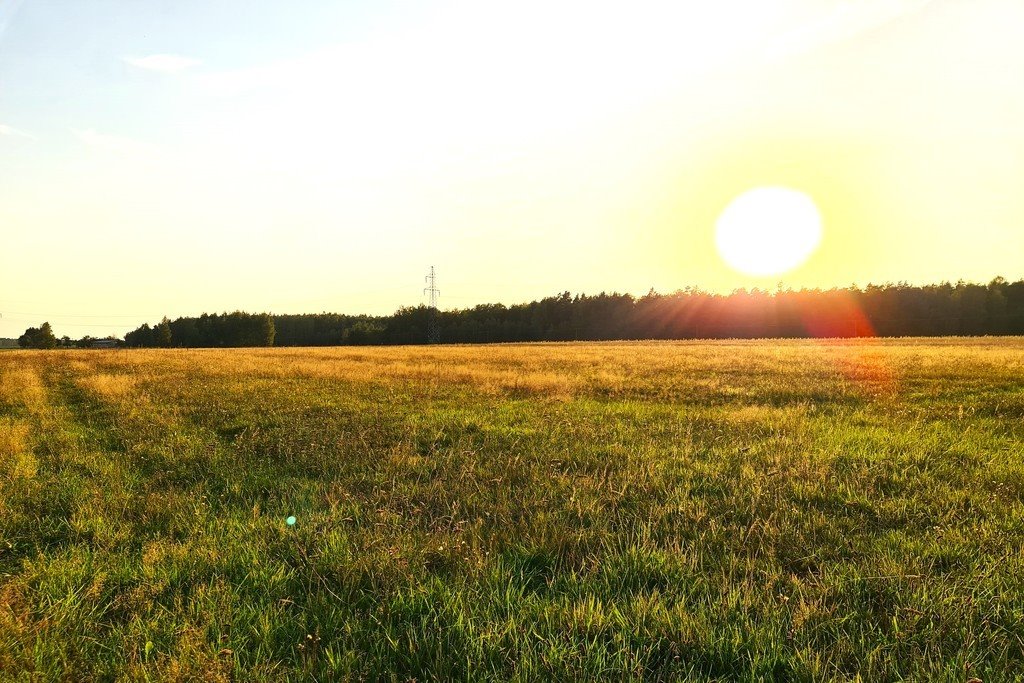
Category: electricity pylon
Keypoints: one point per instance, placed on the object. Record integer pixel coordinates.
(433, 327)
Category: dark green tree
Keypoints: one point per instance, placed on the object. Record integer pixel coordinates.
(140, 338)
(38, 338)
(162, 334)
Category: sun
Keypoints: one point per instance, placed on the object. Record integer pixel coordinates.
(768, 230)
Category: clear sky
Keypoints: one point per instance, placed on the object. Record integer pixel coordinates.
(179, 157)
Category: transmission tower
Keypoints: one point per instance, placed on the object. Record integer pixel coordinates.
(433, 327)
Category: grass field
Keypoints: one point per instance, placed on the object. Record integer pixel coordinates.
(788, 511)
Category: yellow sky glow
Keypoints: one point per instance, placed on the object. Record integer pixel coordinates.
(523, 151)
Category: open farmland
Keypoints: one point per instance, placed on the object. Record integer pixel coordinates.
(778, 510)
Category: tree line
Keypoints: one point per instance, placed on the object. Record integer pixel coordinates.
(877, 310)
(227, 329)
(42, 337)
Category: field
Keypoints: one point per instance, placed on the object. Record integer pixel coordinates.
(781, 510)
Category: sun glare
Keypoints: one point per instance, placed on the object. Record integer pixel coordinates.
(768, 230)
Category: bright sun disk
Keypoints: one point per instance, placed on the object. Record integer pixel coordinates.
(768, 230)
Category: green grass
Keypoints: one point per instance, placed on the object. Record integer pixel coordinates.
(788, 511)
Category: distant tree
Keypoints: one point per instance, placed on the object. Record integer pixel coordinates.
(38, 338)
(142, 337)
(267, 331)
(27, 340)
(363, 332)
(162, 334)
(46, 338)
(185, 332)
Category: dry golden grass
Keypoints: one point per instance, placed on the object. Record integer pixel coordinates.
(107, 385)
(16, 459)
(21, 386)
(564, 370)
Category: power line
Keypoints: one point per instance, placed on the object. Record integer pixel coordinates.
(64, 324)
(82, 315)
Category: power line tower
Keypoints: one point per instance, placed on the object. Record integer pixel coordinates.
(433, 327)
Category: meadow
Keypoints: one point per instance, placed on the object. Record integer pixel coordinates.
(749, 511)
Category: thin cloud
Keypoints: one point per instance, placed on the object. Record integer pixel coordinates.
(11, 131)
(164, 63)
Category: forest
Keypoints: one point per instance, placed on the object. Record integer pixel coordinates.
(890, 310)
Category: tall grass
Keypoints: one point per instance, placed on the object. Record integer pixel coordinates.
(788, 511)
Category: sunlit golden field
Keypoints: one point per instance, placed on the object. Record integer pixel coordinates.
(768, 510)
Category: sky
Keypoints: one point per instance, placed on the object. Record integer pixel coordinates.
(173, 158)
